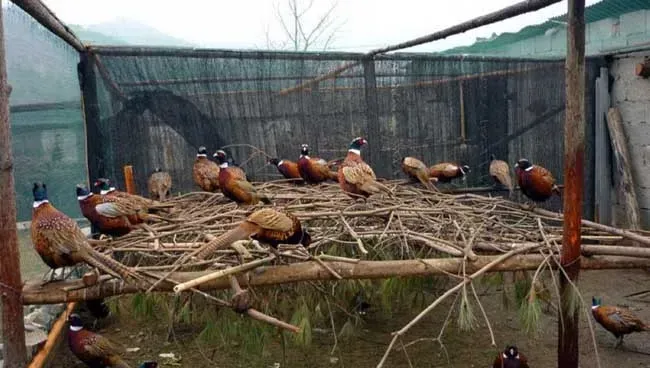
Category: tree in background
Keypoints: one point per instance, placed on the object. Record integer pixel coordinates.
(303, 27)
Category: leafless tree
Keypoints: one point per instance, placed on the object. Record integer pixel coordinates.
(301, 29)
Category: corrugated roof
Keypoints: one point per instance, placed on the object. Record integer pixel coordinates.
(602, 10)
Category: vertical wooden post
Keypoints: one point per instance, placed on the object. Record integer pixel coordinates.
(13, 329)
(372, 116)
(463, 126)
(574, 146)
(88, 85)
(129, 183)
(603, 169)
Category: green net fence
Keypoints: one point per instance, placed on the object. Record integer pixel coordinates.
(45, 112)
(158, 105)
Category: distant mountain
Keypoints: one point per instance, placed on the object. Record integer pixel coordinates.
(125, 31)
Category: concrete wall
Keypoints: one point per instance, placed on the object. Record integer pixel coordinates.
(602, 36)
(631, 94)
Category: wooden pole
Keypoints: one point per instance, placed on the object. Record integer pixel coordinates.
(574, 146)
(373, 130)
(623, 165)
(73, 290)
(13, 329)
(43, 15)
(129, 182)
(44, 355)
(88, 86)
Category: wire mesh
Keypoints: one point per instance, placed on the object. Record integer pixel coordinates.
(46, 118)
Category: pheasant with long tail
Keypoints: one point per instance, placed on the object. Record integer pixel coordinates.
(234, 185)
(356, 178)
(417, 170)
(314, 169)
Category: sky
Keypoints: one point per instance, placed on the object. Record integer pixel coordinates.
(361, 25)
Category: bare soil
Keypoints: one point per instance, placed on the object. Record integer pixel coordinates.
(464, 349)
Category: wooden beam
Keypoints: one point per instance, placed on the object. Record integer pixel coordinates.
(603, 164)
(43, 15)
(623, 168)
(54, 293)
(574, 148)
(129, 182)
(13, 328)
(373, 131)
(88, 85)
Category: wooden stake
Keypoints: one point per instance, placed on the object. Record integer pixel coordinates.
(574, 146)
(43, 357)
(623, 165)
(129, 183)
(13, 329)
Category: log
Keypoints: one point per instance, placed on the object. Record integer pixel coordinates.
(623, 168)
(43, 15)
(129, 182)
(13, 329)
(312, 271)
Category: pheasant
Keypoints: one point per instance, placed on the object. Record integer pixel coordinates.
(417, 170)
(107, 190)
(113, 226)
(233, 183)
(314, 169)
(59, 240)
(356, 177)
(205, 172)
(500, 172)
(536, 182)
(618, 321)
(288, 169)
(268, 226)
(159, 184)
(445, 172)
(510, 358)
(95, 350)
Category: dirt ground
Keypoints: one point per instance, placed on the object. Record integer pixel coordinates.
(464, 349)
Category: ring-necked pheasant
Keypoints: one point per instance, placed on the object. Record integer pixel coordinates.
(288, 169)
(95, 350)
(113, 226)
(314, 169)
(356, 177)
(205, 172)
(107, 190)
(619, 321)
(510, 358)
(536, 182)
(268, 226)
(60, 242)
(159, 184)
(500, 172)
(417, 170)
(445, 172)
(234, 185)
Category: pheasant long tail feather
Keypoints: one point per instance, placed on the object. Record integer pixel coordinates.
(241, 232)
(374, 187)
(108, 264)
(423, 177)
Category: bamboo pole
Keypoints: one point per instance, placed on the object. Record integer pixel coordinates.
(574, 146)
(13, 329)
(44, 355)
(129, 182)
(66, 291)
(43, 15)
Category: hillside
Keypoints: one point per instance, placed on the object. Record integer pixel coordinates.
(124, 31)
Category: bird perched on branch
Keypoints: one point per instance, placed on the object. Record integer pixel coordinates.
(268, 226)
(113, 226)
(159, 184)
(234, 185)
(619, 321)
(510, 358)
(417, 170)
(314, 169)
(109, 191)
(93, 349)
(445, 172)
(500, 172)
(129, 207)
(205, 172)
(536, 182)
(288, 169)
(356, 177)
(59, 240)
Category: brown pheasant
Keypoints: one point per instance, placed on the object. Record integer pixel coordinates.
(288, 169)
(500, 172)
(59, 240)
(446, 171)
(536, 182)
(93, 349)
(234, 185)
(205, 172)
(356, 177)
(159, 184)
(314, 169)
(417, 170)
(268, 226)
